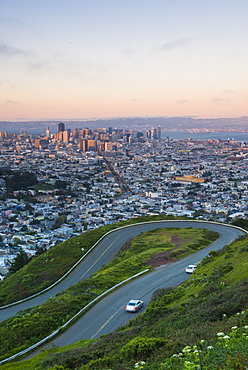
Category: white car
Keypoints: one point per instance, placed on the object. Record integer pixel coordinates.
(190, 269)
(134, 305)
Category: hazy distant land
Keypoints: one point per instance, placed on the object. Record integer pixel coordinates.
(190, 124)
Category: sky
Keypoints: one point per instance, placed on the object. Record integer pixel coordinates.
(84, 59)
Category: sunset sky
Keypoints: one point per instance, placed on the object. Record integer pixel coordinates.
(76, 59)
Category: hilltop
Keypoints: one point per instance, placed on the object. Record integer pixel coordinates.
(212, 301)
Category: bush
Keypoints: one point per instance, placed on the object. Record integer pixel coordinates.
(140, 348)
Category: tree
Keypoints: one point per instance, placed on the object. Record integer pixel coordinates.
(40, 251)
(59, 184)
(241, 222)
(21, 260)
(60, 220)
(20, 181)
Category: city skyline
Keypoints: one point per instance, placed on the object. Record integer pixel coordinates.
(82, 60)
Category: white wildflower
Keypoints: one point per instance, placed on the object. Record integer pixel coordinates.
(186, 349)
(226, 337)
(220, 334)
(138, 364)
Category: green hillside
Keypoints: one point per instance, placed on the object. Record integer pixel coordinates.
(32, 325)
(202, 324)
(46, 269)
(179, 327)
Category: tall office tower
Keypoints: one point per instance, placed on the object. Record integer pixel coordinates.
(139, 136)
(148, 134)
(108, 145)
(92, 145)
(61, 127)
(159, 133)
(76, 133)
(87, 132)
(48, 133)
(80, 132)
(83, 145)
(3, 135)
(114, 136)
(97, 135)
(154, 134)
(66, 136)
(60, 135)
(124, 139)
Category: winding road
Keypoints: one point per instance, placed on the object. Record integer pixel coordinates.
(109, 313)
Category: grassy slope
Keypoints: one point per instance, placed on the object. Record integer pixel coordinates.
(210, 302)
(36, 323)
(46, 269)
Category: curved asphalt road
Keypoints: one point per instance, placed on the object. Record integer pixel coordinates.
(109, 313)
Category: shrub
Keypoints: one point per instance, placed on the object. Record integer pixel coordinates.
(159, 293)
(100, 363)
(140, 347)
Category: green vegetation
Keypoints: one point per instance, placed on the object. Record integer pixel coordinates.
(54, 263)
(60, 220)
(202, 324)
(20, 181)
(178, 242)
(21, 260)
(59, 184)
(241, 222)
(43, 186)
(36, 323)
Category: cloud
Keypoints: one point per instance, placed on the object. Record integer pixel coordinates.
(229, 92)
(7, 50)
(221, 101)
(178, 43)
(40, 65)
(8, 102)
(182, 101)
(128, 51)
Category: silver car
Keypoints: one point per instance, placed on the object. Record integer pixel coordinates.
(134, 305)
(190, 269)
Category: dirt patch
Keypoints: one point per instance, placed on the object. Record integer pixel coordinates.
(163, 258)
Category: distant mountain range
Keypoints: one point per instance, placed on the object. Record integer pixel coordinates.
(239, 124)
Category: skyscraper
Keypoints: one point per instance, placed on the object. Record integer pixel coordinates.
(83, 144)
(159, 133)
(154, 134)
(48, 132)
(61, 127)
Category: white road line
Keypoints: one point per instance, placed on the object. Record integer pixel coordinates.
(103, 326)
(99, 257)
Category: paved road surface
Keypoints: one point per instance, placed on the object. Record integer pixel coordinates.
(109, 313)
